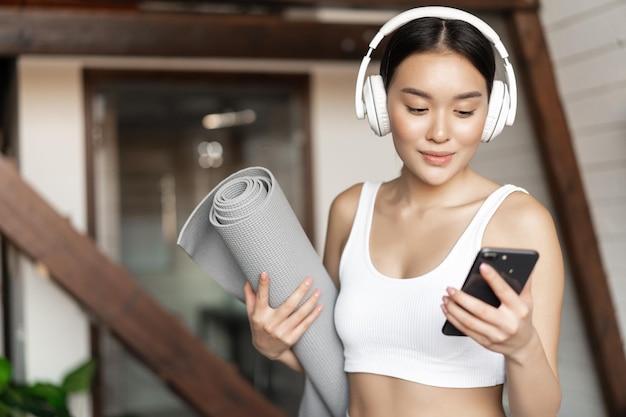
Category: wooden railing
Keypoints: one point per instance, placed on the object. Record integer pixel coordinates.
(211, 386)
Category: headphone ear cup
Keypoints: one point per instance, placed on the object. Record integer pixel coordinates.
(499, 103)
(375, 99)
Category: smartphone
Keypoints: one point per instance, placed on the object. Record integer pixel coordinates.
(514, 265)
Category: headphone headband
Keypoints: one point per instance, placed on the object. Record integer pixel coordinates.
(447, 13)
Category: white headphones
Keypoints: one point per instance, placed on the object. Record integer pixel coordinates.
(371, 98)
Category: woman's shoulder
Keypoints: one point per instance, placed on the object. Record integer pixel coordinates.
(341, 216)
(345, 204)
(523, 207)
(523, 217)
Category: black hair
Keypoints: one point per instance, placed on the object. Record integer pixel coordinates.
(432, 34)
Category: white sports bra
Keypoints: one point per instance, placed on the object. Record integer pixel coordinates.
(392, 326)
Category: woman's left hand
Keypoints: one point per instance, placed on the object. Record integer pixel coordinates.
(504, 329)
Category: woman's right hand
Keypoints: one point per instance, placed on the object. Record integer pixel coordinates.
(276, 330)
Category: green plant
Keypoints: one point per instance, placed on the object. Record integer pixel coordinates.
(41, 399)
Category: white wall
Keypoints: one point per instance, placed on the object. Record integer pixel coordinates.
(587, 43)
(54, 331)
(591, 73)
(345, 149)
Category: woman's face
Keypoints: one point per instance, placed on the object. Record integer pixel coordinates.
(437, 106)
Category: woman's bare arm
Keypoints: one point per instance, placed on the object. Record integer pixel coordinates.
(525, 328)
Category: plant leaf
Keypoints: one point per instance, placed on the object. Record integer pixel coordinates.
(51, 394)
(22, 398)
(80, 378)
(5, 410)
(5, 373)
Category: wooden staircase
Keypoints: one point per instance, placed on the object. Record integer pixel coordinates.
(211, 386)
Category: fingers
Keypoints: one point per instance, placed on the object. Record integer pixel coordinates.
(484, 323)
(275, 330)
(520, 304)
(468, 303)
(292, 329)
(249, 298)
(263, 290)
(499, 286)
(471, 315)
(292, 302)
(467, 313)
(290, 309)
(309, 318)
(302, 314)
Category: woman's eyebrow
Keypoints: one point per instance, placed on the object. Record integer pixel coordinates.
(424, 94)
(471, 94)
(416, 92)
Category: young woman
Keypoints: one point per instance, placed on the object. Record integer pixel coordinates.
(400, 250)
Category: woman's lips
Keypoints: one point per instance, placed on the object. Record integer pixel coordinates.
(437, 158)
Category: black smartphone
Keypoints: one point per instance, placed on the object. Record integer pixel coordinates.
(514, 265)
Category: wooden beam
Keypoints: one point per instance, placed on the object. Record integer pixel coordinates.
(476, 5)
(568, 195)
(127, 28)
(213, 387)
(132, 33)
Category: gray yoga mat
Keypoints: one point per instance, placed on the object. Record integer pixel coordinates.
(245, 226)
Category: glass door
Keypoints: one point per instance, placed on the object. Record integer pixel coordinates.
(160, 143)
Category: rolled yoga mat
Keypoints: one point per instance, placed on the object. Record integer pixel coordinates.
(245, 226)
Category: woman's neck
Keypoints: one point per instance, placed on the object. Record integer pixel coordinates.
(412, 191)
